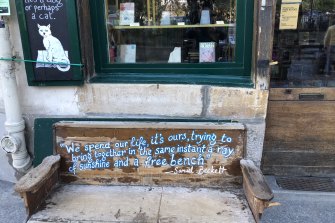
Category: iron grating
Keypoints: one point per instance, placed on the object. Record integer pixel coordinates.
(306, 183)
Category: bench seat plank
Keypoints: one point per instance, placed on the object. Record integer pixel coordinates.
(37, 184)
(257, 191)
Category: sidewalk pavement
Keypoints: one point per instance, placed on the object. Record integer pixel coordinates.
(299, 206)
(11, 205)
(295, 206)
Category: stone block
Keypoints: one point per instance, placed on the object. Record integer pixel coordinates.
(141, 99)
(237, 103)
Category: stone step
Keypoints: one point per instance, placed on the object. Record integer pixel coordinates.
(92, 203)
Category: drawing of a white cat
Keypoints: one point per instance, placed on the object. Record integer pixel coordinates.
(54, 48)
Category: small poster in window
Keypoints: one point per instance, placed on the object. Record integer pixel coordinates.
(4, 7)
(127, 13)
(175, 55)
(231, 39)
(205, 17)
(127, 53)
(289, 16)
(206, 52)
(165, 18)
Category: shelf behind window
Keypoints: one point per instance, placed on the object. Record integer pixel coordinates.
(174, 26)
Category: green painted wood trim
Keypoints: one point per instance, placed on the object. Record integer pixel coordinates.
(78, 78)
(248, 31)
(43, 131)
(75, 53)
(214, 80)
(25, 40)
(56, 83)
(179, 73)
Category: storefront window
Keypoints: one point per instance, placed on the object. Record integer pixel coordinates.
(306, 55)
(171, 31)
(173, 41)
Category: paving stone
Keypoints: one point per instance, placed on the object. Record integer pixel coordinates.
(12, 208)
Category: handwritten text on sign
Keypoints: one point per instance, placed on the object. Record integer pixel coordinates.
(43, 9)
(169, 151)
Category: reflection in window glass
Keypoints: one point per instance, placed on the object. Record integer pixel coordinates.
(306, 56)
(171, 31)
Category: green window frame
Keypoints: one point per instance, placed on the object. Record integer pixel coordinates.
(237, 73)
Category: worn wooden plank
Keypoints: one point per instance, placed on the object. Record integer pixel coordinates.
(308, 126)
(294, 170)
(264, 22)
(37, 184)
(299, 137)
(255, 188)
(36, 177)
(255, 178)
(290, 146)
(35, 200)
(86, 43)
(292, 94)
(300, 158)
(204, 154)
(145, 204)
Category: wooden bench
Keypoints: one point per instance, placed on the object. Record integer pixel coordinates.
(219, 168)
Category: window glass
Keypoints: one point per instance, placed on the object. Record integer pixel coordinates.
(171, 31)
(306, 55)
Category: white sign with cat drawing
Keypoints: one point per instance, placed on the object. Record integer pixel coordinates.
(54, 53)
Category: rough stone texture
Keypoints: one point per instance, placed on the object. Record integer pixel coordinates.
(237, 103)
(49, 101)
(11, 205)
(255, 139)
(247, 106)
(7, 172)
(144, 99)
(173, 101)
(84, 203)
(1, 100)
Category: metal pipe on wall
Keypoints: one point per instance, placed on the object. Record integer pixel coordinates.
(14, 142)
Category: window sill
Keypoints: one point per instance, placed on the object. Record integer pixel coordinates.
(215, 80)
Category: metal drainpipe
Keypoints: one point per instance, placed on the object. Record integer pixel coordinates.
(14, 142)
